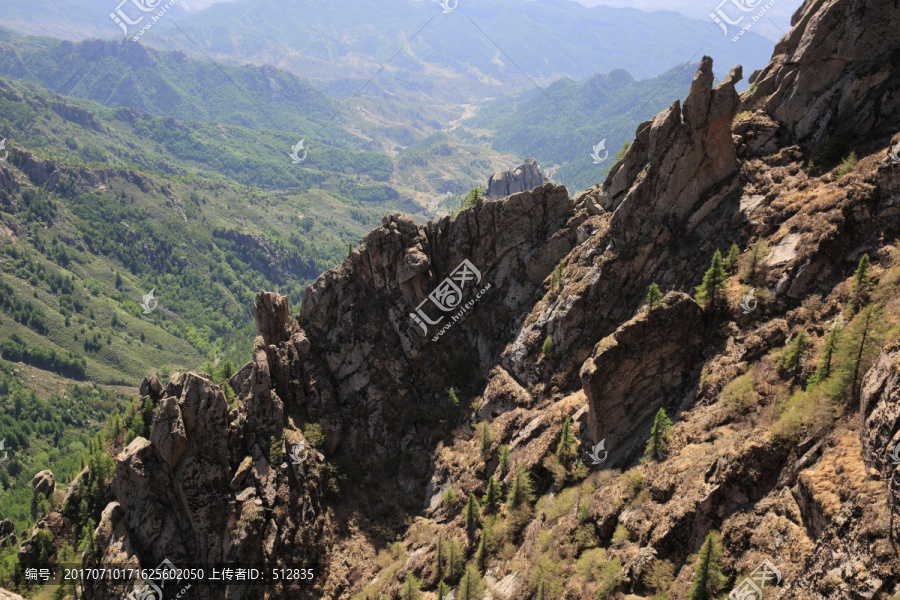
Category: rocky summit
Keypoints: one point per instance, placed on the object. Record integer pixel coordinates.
(682, 383)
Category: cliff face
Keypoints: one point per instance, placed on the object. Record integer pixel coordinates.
(530, 308)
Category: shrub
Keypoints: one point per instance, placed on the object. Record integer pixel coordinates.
(621, 535)
(314, 435)
(847, 166)
(547, 347)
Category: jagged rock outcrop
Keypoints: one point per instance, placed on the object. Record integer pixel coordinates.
(523, 178)
(656, 218)
(634, 372)
(834, 73)
(5, 595)
(370, 359)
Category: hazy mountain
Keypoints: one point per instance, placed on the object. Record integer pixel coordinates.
(777, 19)
(457, 55)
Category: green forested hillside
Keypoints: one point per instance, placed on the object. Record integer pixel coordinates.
(99, 211)
(99, 206)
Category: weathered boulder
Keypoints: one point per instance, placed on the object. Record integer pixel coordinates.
(44, 485)
(523, 178)
(634, 371)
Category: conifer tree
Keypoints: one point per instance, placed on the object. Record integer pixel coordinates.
(710, 291)
(708, 579)
(454, 560)
(453, 399)
(485, 438)
(658, 444)
(493, 495)
(754, 272)
(503, 457)
(824, 370)
(470, 586)
(439, 556)
(472, 508)
(442, 590)
(654, 295)
(565, 449)
(521, 491)
(858, 347)
(410, 588)
(731, 261)
(862, 282)
(481, 555)
(794, 354)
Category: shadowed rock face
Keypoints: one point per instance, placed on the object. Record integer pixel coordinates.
(523, 178)
(632, 373)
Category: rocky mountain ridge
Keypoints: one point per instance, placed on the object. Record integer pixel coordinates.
(544, 343)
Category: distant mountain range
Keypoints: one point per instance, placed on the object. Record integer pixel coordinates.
(474, 52)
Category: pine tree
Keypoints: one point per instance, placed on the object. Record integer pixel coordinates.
(731, 261)
(470, 586)
(472, 508)
(654, 295)
(565, 450)
(453, 399)
(824, 371)
(439, 556)
(658, 444)
(493, 495)
(862, 282)
(442, 590)
(858, 347)
(521, 491)
(503, 457)
(410, 588)
(794, 354)
(754, 272)
(710, 290)
(454, 560)
(485, 438)
(481, 555)
(708, 579)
